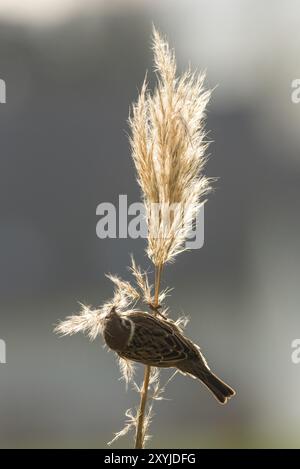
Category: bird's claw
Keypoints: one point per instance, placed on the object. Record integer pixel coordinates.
(156, 309)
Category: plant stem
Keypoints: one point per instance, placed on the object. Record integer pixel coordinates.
(139, 438)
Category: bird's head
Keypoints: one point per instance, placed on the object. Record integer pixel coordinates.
(116, 330)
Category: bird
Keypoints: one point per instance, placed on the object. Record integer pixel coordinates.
(144, 338)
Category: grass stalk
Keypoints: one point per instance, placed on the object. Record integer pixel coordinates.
(139, 438)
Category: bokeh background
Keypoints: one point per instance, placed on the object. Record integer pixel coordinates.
(72, 68)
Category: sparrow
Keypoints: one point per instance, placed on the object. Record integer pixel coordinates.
(145, 338)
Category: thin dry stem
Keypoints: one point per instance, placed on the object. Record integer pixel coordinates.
(140, 431)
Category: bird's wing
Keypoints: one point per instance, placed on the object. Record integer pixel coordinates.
(156, 342)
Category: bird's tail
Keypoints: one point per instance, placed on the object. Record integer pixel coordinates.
(221, 391)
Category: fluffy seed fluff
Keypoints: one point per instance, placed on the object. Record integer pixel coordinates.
(168, 148)
(90, 321)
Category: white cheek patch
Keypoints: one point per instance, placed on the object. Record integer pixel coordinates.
(124, 322)
(132, 327)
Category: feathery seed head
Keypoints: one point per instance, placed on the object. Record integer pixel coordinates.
(168, 147)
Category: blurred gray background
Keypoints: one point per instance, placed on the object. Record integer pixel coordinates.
(72, 68)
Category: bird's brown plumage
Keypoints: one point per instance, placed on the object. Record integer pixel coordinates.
(146, 339)
(157, 342)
